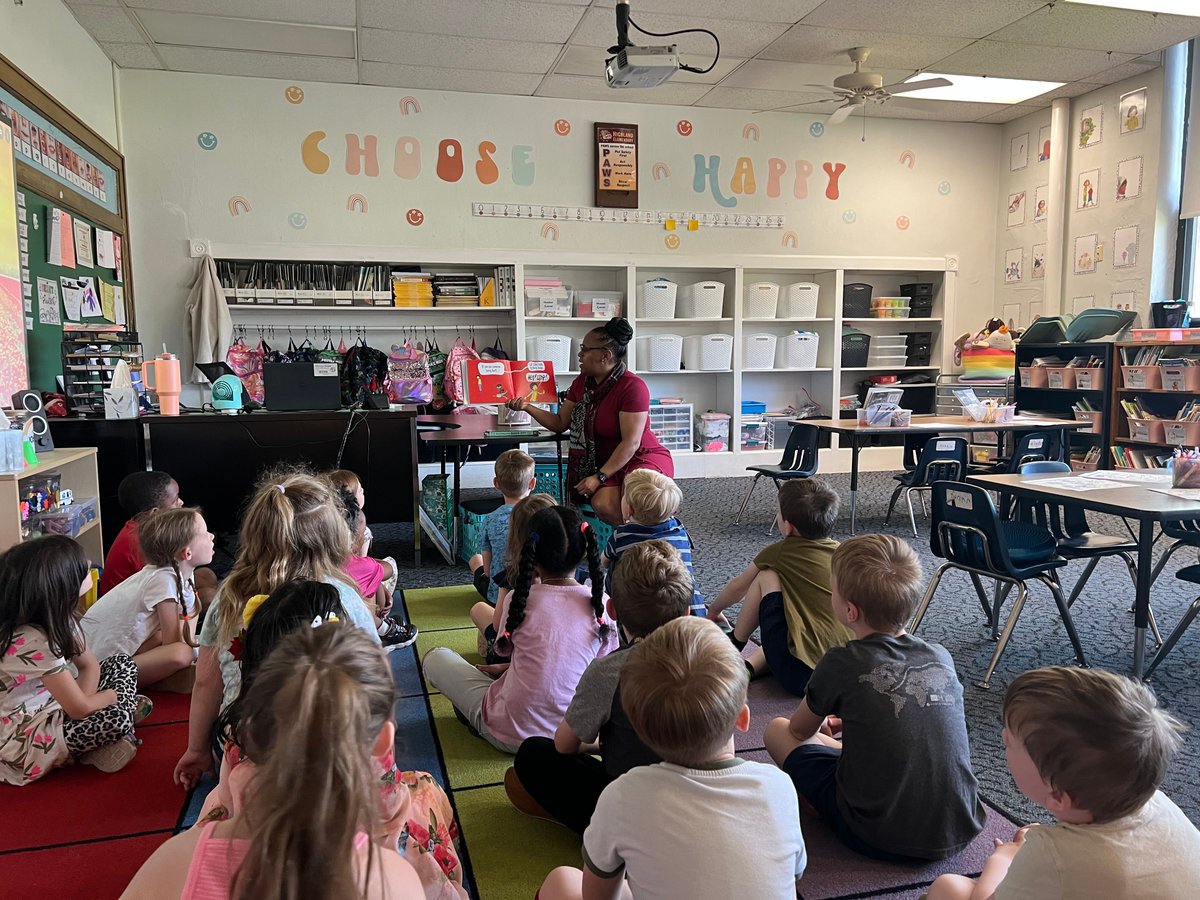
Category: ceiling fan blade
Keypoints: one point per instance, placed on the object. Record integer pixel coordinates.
(904, 87)
(822, 87)
(842, 113)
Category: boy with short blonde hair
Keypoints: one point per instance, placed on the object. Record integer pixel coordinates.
(785, 590)
(559, 779)
(898, 704)
(649, 502)
(516, 475)
(684, 689)
(1092, 748)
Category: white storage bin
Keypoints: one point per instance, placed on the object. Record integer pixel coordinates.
(553, 348)
(799, 301)
(660, 353)
(671, 423)
(797, 351)
(703, 300)
(656, 299)
(758, 351)
(708, 352)
(887, 360)
(761, 300)
(890, 343)
(548, 302)
(712, 432)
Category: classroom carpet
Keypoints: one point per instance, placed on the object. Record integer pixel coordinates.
(509, 853)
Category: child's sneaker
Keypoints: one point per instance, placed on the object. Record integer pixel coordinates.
(142, 707)
(398, 635)
(112, 758)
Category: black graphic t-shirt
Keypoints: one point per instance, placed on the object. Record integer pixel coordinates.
(904, 779)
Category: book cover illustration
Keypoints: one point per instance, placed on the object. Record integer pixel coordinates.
(500, 380)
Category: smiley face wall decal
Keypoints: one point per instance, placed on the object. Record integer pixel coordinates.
(672, 241)
(902, 222)
(207, 140)
(415, 217)
(293, 94)
(562, 127)
(684, 127)
(298, 220)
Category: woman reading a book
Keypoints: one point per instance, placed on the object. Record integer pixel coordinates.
(607, 410)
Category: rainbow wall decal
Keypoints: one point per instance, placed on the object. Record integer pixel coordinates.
(356, 203)
(239, 205)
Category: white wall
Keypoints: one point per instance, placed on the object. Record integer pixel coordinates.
(179, 191)
(43, 40)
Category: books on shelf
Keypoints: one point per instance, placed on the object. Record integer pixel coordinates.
(1142, 356)
(494, 381)
(1134, 458)
(412, 289)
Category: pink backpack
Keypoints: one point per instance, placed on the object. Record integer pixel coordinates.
(247, 364)
(453, 383)
(408, 378)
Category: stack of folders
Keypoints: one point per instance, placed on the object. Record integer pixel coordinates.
(452, 289)
(412, 289)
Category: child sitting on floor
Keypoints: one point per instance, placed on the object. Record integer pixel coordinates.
(318, 713)
(516, 475)
(673, 829)
(786, 589)
(411, 805)
(49, 716)
(139, 493)
(151, 616)
(344, 478)
(370, 574)
(553, 628)
(1092, 748)
(900, 788)
(559, 779)
(649, 502)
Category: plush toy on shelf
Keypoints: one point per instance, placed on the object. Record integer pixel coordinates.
(987, 355)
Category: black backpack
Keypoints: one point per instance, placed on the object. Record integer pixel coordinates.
(363, 373)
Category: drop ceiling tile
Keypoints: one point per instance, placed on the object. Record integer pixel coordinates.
(258, 65)
(1000, 60)
(377, 45)
(952, 18)
(1012, 113)
(310, 12)
(506, 20)
(589, 61)
(132, 56)
(232, 33)
(574, 87)
(738, 38)
(1120, 73)
(1100, 28)
(829, 46)
(106, 24)
(1068, 90)
(477, 81)
(74, 3)
(773, 75)
(787, 11)
(933, 110)
(756, 100)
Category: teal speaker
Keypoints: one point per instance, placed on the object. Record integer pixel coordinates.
(227, 394)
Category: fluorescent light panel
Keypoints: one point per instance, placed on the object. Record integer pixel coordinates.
(980, 89)
(1172, 7)
(228, 33)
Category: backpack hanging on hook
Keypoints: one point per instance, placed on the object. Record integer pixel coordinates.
(496, 351)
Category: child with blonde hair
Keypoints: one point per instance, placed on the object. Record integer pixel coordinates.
(553, 627)
(649, 502)
(318, 710)
(293, 528)
(516, 475)
(1092, 748)
(151, 615)
(899, 705)
(659, 830)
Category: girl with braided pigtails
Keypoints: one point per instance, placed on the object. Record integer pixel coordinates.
(553, 627)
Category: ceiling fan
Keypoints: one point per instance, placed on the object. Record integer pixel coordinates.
(856, 88)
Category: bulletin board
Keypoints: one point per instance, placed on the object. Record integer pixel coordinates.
(62, 164)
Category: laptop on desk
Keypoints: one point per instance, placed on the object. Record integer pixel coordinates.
(301, 386)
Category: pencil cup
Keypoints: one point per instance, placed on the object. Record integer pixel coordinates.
(1185, 472)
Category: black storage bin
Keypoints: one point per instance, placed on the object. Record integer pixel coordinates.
(918, 339)
(916, 290)
(918, 357)
(856, 301)
(855, 347)
(922, 307)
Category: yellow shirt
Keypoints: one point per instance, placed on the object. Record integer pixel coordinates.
(803, 569)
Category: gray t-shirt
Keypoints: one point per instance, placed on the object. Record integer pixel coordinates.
(596, 712)
(905, 749)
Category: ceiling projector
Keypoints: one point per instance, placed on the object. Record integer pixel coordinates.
(641, 67)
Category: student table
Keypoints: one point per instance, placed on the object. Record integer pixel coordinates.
(932, 426)
(1133, 499)
(458, 434)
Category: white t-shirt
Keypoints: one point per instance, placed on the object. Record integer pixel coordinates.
(122, 620)
(686, 832)
(1153, 853)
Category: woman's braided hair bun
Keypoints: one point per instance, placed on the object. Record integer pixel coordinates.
(619, 330)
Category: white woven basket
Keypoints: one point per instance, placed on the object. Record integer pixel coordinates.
(758, 351)
(761, 300)
(660, 353)
(656, 299)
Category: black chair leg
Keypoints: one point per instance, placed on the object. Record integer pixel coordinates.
(892, 504)
(1173, 639)
(1022, 593)
(983, 601)
(1083, 579)
(745, 502)
(1052, 582)
(929, 591)
(1000, 595)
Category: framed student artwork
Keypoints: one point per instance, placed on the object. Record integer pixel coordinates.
(1012, 265)
(1044, 143)
(1041, 202)
(1129, 178)
(1125, 247)
(1132, 111)
(1016, 209)
(1087, 189)
(1087, 253)
(1018, 152)
(616, 165)
(1091, 126)
(1038, 264)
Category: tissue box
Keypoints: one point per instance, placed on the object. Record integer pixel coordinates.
(120, 403)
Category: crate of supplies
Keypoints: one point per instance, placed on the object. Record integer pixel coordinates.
(1095, 418)
(708, 352)
(703, 300)
(856, 300)
(552, 348)
(1092, 379)
(712, 432)
(660, 352)
(855, 347)
(761, 300)
(546, 480)
(758, 351)
(755, 433)
(1149, 430)
(1060, 377)
(656, 299)
(599, 304)
(546, 302)
(671, 423)
(473, 515)
(68, 520)
(753, 408)
(797, 350)
(1142, 378)
(799, 301)
(886, 360)
(920, 299)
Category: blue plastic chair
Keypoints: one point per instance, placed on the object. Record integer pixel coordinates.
(941, 459)
(799, 461)
(968, 533)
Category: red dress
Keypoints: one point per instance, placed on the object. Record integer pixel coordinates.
(629, 394)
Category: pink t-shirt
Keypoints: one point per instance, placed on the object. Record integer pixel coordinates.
(555, 643)
(368, 574)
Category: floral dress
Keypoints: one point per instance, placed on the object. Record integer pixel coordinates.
(31, 721)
